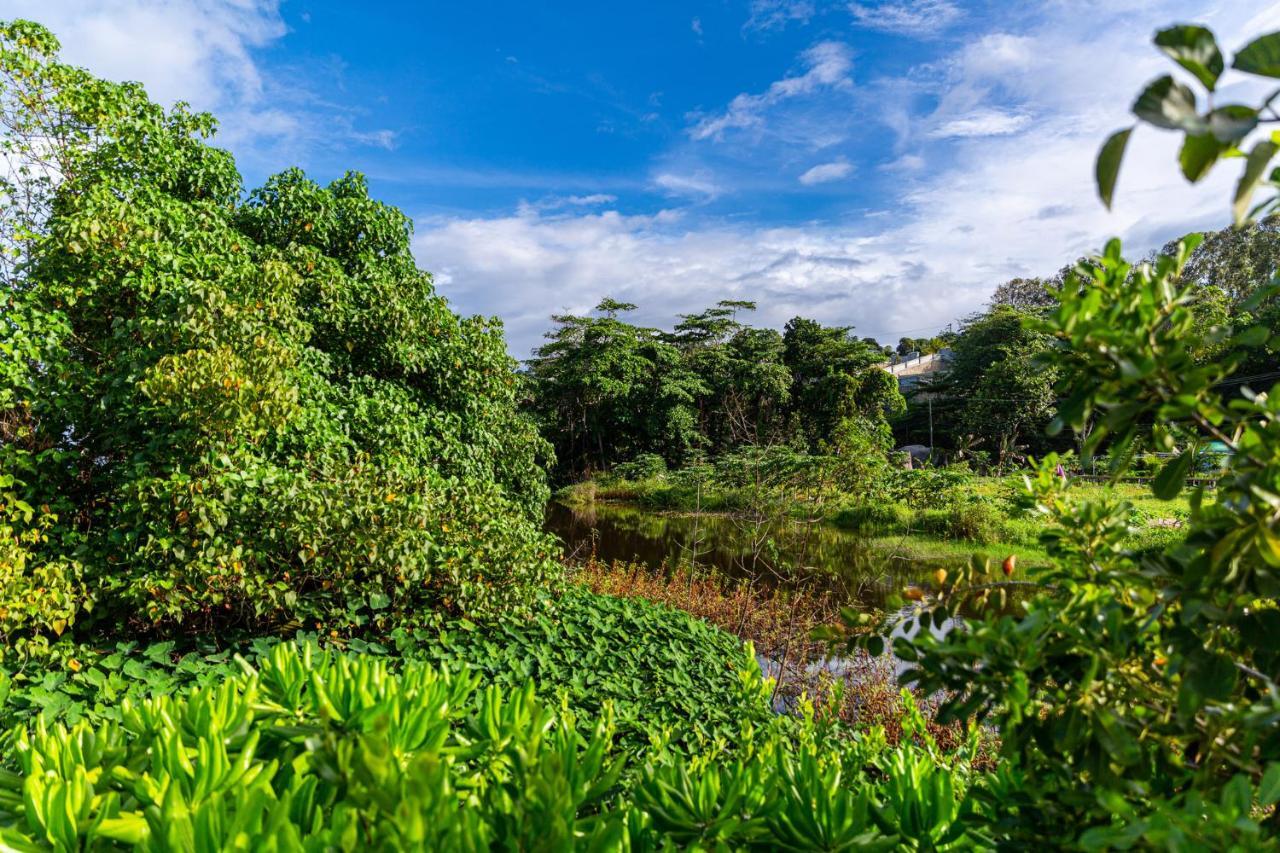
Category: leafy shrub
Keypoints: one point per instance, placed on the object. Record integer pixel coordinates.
(972, 521)
(875, 517)
(643, 467)
(1137, 695)
(926, 486)
(39, 595)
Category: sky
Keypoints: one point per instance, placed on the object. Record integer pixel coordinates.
(882, 164)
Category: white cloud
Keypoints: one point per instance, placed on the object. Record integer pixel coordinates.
(961, 222)
(698, 184)
(776, 14)
(696, 26)
(907, 17)
(825, 172)
(985, 122)
(201, 52)
(827, 65)
(183, 50)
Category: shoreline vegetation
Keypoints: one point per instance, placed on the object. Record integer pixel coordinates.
(966, 514)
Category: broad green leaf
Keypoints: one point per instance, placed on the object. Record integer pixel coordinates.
(1169, 482)
(1269, 787)
(1169, 104)
(1259, 158)
(1232, 123)
(1195, 49)
(1199, 153)
(1260, 56)
(1107, 168)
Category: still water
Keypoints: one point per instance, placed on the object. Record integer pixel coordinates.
(776, 552)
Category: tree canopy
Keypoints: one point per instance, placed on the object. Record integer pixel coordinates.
(228, 408)
(606, 391)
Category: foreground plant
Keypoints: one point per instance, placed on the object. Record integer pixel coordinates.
(314, 750)
(1136, 696)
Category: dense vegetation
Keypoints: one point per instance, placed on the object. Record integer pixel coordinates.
(606, 391)
(222, 409)
(229, 417)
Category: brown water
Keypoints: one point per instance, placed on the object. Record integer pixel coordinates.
(775, 552)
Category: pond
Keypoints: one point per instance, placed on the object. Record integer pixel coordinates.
(774, 552)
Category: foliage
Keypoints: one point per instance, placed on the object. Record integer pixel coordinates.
(658, 671)
(967, 520)
(315, 750)
(1219, 131)
(874, 516)
(1004, 396)
(40, 594)
(644, 466)
(241, 412)
(1136, 694)
(608, 392)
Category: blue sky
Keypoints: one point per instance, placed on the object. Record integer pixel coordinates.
(880, 163)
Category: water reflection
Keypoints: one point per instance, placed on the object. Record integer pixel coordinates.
(785, 552)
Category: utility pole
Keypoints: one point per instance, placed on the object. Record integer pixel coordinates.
(931, 425)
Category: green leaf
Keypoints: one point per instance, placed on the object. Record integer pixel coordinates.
(1195, 49)
(1260, 56)
(1107, 168)
(1169, 104)
(1232, 123)
(1255, 166)
(1172, 476)
(1269, 787)
(1198, 154)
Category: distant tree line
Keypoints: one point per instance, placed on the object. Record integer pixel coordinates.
(997, 395)
(606, 390)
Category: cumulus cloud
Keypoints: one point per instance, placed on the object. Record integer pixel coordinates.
(185, 50)
(959, 223)
(824, 172)
(201, 52)
(827, 65)
(908, 17)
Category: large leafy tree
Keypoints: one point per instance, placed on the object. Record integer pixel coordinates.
(605, 390)
(835, 380)
(248, 411)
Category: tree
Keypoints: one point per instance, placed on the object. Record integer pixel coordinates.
(1025, 294)
(607, 390)
(242, 411)
(834, 377)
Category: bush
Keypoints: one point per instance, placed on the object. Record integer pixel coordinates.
(972, 521)
(643, 467)
(926, 486)
(875, 517)
(40, 594)
(244, 410)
